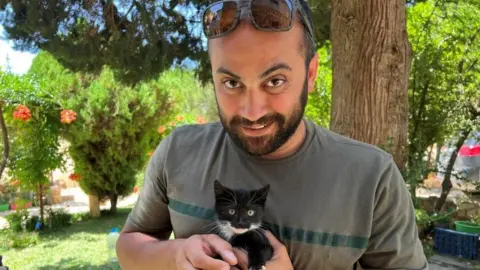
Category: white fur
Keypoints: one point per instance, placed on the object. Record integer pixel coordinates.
(228, 231)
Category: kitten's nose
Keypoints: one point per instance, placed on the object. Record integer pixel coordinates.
(242, 225)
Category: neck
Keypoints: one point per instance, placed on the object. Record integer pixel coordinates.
(292, 145)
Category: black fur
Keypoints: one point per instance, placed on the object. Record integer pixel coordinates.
(243, 209)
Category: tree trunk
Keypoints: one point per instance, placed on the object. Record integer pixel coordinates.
(447, 183)
(113, 203)
(94, 205)
(6, 148)
(40, 197)
(429, 158)
(371, 64)
(437, 156)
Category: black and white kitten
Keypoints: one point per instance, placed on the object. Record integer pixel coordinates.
(239, 216)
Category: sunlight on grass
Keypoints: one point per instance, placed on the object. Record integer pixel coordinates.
(80, 246)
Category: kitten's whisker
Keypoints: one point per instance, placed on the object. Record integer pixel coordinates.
(251, 198)
(210, 227)
(257, 199)
(233, 195)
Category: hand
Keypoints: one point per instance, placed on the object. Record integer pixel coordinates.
(279, 261)
(197, 251)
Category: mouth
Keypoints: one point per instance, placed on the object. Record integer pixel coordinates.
(258, 130)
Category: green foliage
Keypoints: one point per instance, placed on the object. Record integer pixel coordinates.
(443, 88)
(18, 240)
(116, 125)
(191, 97)
(57, 219)
(34, 143)
(319, 101)
(137, 39)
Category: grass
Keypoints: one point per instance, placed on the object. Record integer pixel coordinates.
(79, 246)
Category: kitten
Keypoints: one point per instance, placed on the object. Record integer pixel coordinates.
(239, 217)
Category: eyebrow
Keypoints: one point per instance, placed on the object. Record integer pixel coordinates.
(263, 75)
(275, 68)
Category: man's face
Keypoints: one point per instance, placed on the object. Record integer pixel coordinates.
(261, 85)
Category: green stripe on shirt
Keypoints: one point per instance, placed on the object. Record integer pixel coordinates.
(286, 233)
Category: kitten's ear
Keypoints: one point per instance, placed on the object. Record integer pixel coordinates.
(218, 188)
(262, 194)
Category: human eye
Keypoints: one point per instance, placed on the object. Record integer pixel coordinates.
(232, 84)
(275, 82)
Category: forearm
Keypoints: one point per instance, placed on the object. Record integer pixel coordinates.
(140, 251)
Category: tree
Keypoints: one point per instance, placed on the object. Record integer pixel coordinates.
(137, 39)
(444, 81)
(112, 126)
(319, 101)
(31, 113)
(371, 62)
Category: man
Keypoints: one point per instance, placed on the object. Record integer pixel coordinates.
(333, 201)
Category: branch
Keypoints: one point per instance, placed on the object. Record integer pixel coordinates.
(5, 141)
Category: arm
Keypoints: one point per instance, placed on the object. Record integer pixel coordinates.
(394, 241)
(143, 242)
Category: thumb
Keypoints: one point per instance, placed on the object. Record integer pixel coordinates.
(273, 240)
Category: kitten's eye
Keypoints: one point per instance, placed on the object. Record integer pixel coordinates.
(231, 212)
(250, 212)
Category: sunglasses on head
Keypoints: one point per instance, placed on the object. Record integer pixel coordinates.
(220, 18)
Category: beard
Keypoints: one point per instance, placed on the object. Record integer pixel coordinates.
(284, 126)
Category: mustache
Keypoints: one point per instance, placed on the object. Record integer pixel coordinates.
(274, 117)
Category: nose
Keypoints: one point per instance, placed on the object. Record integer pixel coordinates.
(242, 225)
(255, 104)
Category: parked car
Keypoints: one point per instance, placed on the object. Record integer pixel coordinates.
(468, 160)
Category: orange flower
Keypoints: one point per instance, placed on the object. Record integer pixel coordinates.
(201, 120)
(180, 118)
(22, 113)
(74, 177)
(135, 189)
(150, 154)
(172, 123)
(161, 129)
(15, 182)
(68, 116)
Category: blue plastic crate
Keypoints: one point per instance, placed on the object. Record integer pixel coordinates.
(454, 243)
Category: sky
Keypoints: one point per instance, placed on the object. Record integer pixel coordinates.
(20, 62)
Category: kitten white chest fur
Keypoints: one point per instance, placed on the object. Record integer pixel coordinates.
(228, 231)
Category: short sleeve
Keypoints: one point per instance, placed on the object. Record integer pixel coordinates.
(150, 214)
(394, 241)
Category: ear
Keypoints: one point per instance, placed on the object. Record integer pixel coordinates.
(261, 194)
(312, 72)
(218, 188)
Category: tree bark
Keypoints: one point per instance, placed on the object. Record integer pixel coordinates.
(371, 64)
(6, 147)
(94, 205)
(447, 183)
(113, 204)
(40, 197)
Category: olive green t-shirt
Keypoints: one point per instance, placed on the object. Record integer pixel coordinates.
(334, 202)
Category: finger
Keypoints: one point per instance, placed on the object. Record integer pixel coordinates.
(201, 260)
(272, 239)
(222, 248)
(186, 266)
(241, 257)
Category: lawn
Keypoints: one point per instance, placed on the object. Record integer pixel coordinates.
(79, 246)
